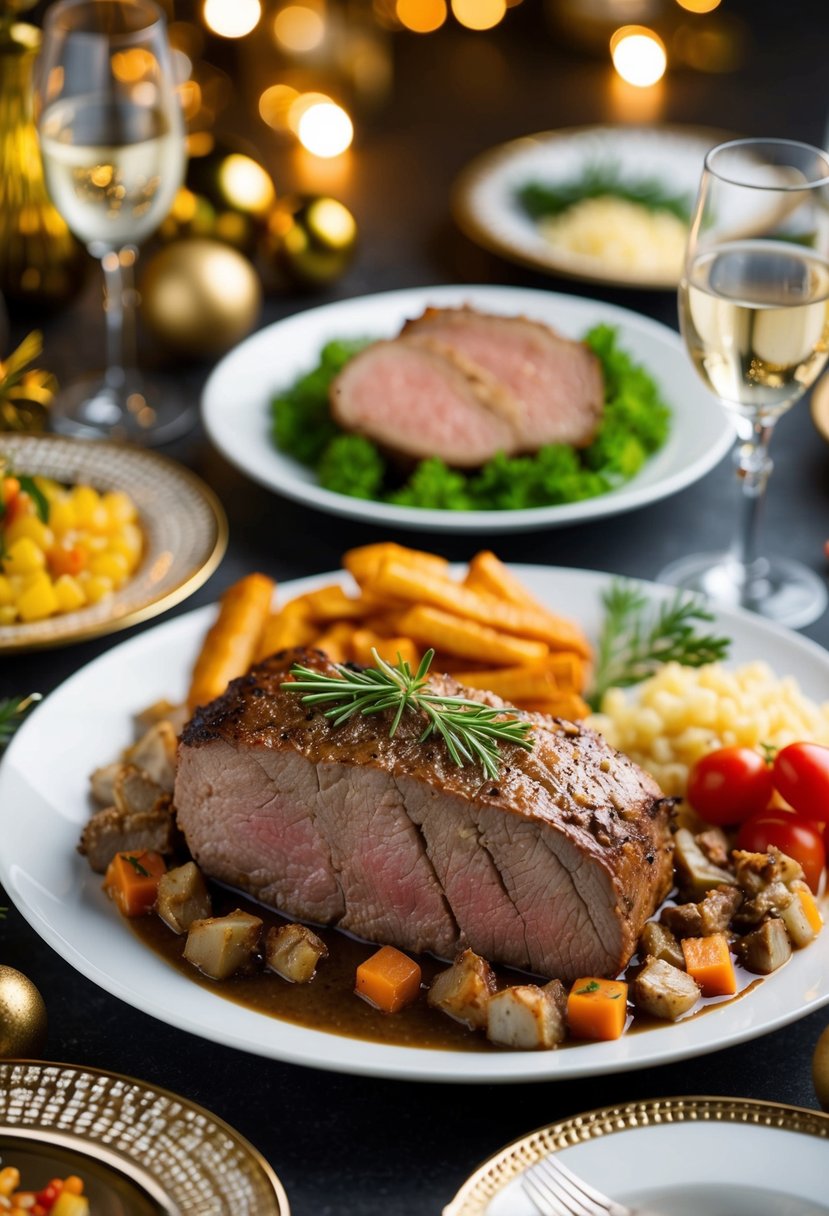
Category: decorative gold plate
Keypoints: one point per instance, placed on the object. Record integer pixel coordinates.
(184, 526)
(483, 1190)
(140, 1150)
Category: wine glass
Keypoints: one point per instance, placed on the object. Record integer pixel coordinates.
(112, 141)
(754, 313)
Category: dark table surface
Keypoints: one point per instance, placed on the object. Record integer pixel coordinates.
(350, 1144)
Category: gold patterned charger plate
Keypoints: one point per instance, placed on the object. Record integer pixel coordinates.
(677, 1156)
(141, 1150)
(182, 520)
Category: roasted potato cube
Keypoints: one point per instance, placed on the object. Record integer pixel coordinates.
(293, 952)
(757, 871)
(714, 844)
(155, 755)
(183, 897)
(695, 873)
(526, 1017)
(103, 783)
(133, 791)
(464, 989)
(798, 925)
(222, 945)
(766, 949)
(658, 941)
(664, 991)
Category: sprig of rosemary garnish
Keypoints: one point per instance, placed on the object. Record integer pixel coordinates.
(470, 730)
(634, 642)
(540, 200)
(12, 712)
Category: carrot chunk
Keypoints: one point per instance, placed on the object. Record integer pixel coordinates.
(389, 980)
(708, 961)
(810, 909)
(132, 881)
(597, 1008)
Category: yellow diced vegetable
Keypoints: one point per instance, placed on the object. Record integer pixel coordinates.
(38, 600)
(111, 565)
(69, 593)
(97, 587)
(62, 515)
(119, 507)
(8, 614)
(24, 557)
(86, 501)
(7, 592)
(34, 528)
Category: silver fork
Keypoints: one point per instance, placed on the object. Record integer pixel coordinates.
(554, 1190)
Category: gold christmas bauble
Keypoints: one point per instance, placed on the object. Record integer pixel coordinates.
(22, 1016)
(310, 241)
(199, 298)
(194, 215)
(820, 1069)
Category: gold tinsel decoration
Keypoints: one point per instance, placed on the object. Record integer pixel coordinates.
(25, 392)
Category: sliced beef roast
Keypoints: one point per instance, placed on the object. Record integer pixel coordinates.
(553, 868)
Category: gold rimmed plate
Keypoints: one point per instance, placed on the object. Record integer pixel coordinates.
(140, 1150)
(182, 521)
(677, 1156)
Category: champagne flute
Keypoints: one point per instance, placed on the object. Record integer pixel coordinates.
(112, 141)
(754, 313)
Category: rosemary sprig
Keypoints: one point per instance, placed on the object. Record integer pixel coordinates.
(540, 200)
(12, 712)
(470, 730)
(634, 642)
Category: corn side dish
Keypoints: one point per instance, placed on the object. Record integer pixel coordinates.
(623, 234)
(62, 548)
(60, 1197)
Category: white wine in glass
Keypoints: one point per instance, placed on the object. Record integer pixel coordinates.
(112, 141)
(754, 314)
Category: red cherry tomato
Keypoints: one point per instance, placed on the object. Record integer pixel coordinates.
(801, 775)
(728, 785)
(795, 837)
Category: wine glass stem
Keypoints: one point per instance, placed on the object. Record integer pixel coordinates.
(753, 466)
(120, 301)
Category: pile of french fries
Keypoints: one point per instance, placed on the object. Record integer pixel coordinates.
(487, 630)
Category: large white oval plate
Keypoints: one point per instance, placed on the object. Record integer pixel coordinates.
(43, 803)
(237, 396)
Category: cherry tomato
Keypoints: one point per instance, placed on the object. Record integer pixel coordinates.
(795, 837)
(728, 785)
(801, 775)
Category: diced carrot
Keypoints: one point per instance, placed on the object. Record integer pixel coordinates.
(389, 980)
(132, 881)
(708, 961)
(597, 1008)
(63, 560)
(73, 1185)
(11, 488)
(810, 909)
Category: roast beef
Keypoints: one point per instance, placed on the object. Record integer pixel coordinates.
(417, 400)
(556, 384)
(553, 868)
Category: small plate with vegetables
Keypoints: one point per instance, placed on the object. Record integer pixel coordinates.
(267, 409)
(606, 204)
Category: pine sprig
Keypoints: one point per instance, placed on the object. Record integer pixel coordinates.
(12, 712)
(470, 730)
(634, 641)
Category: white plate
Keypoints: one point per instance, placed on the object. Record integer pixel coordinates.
(237, 397)
(677, 1156)
(43, 805)
(484, 197)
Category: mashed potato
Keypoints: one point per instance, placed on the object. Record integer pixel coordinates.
(666, 723)
(624, 235)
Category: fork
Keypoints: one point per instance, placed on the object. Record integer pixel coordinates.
(555, 1190)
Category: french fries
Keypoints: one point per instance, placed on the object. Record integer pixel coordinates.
(487, 629)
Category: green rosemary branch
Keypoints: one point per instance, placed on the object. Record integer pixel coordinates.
(634, 642)
(540, 200)
(12, 712)
(470, 730)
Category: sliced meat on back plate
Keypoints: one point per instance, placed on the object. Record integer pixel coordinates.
(556, 383)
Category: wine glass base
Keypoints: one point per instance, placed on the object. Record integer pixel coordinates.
(780, 589)
(142, 412)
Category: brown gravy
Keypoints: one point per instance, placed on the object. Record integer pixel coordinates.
(328, 1003)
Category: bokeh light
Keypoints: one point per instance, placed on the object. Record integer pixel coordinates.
(639, 55)
(245, 183)
(275, 106)
(479, 14)
(299, 28)
(325, 129)
(421, 16)
(232, 18)
(699, 6)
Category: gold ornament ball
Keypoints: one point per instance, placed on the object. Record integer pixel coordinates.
(22, 1016)
(194, 215)
(310, 239)
(199, 297)
(820, 1069)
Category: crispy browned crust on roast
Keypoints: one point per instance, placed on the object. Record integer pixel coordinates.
(572, 780)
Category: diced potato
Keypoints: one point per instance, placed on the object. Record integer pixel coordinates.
(97, 587)
(755, 872)
(222, 945)
(103, 783)
(766, 949)
(657, 940)
(133, 790)
(463, 991)
(664, 991)
(24, 557)
(525, 1017)
(111, 565)
(69, 593)
(293, 952)
(70, 1205)
(33, 528)
(183, 897)
(37, 600)
(155, 754)
(695, 873)
(798, 923)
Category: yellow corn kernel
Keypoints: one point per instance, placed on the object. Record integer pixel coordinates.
(119, 507)
(34, 528)
(8, 614)
(111, 565)
(37, 601)
(97, 586)
(9, 1180)
(24, 557)
(86, 500)
(62, 514)
(7, 596)
(129, 541)
(70, 594)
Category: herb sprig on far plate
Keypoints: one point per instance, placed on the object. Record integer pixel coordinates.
(12, 712)
(540, 200)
